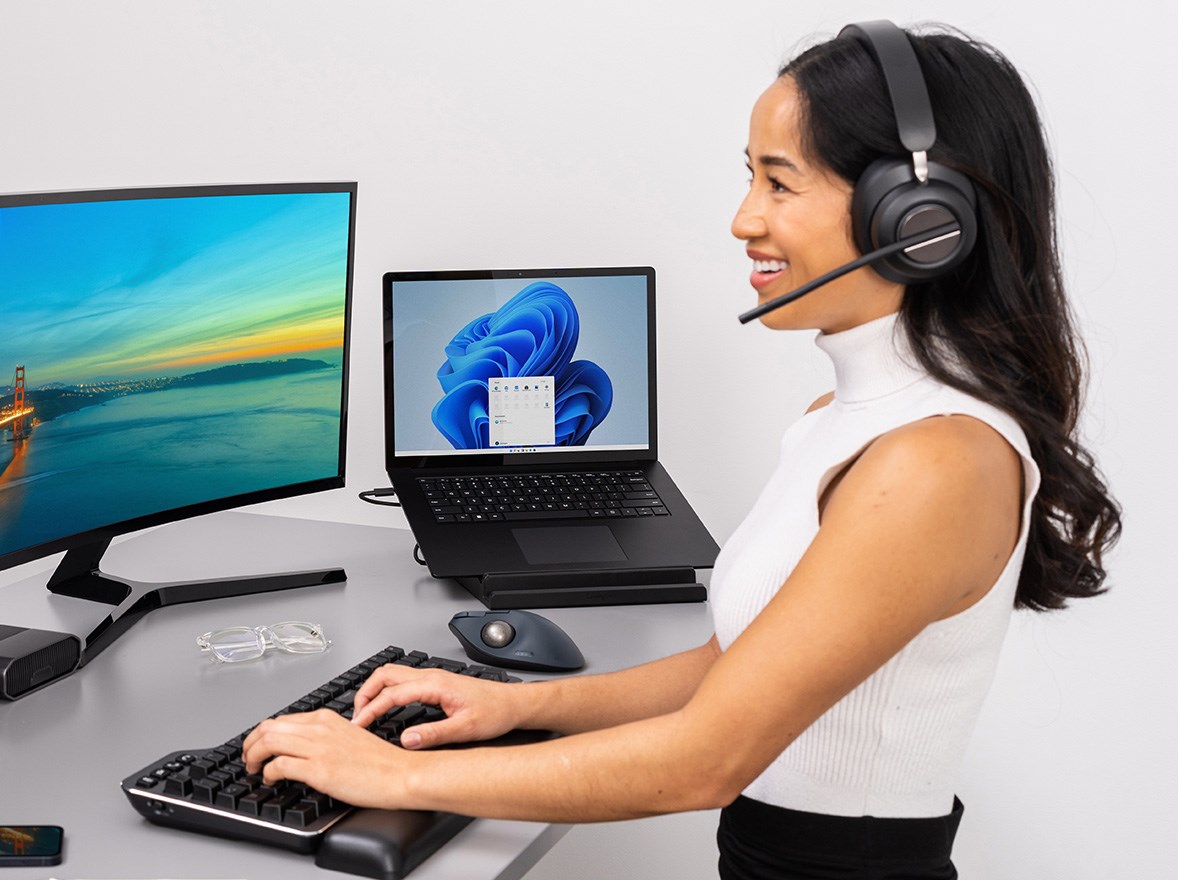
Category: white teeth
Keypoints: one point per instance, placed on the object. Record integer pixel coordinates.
(769, 265)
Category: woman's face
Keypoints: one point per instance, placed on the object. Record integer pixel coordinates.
(796, 222)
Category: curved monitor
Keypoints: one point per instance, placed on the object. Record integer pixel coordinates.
(167, 353)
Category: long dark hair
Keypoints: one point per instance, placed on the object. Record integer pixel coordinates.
(999, 326)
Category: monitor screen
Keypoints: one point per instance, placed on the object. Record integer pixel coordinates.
(168, 353)
(516, 363)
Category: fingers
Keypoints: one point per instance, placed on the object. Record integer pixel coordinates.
(475, 709)
(382, 677)
(374, 690)
(365, 714)
(284, 767)
(277, 746)
(324, 751)
(393, 686)
(454, 729)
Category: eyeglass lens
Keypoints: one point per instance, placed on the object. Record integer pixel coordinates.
(239, 643)
(299, 638)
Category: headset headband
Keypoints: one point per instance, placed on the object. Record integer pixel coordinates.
(895, 56)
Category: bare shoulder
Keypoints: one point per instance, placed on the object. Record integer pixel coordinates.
(946, 489)
(954, 466)
(958, 448)
(822, 401)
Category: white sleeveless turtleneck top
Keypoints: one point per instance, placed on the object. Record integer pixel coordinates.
(893, 746)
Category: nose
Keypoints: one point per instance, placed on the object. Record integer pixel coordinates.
(748, 224)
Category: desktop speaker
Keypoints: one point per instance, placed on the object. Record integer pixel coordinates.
(32, 658)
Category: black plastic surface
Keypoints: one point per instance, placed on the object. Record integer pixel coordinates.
(386, 844)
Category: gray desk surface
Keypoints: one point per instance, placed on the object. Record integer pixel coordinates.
(63, 750)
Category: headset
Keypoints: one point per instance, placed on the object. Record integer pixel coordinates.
(912, 219)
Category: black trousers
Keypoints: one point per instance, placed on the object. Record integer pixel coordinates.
(762, 842)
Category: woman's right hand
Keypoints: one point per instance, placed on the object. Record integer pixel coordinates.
(476, 709)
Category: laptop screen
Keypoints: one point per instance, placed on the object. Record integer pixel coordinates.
(519, 366)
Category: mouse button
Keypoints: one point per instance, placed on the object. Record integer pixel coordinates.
(549, 646)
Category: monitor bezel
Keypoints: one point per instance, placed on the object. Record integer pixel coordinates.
(571, 458)
(105, 532)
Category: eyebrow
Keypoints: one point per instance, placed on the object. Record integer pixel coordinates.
(775, 162)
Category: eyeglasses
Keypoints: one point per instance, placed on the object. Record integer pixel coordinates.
(237, 643)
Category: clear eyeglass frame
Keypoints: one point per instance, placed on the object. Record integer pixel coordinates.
(236, 644)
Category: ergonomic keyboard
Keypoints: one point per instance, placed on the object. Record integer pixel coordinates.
(208, 790)
(593, 494)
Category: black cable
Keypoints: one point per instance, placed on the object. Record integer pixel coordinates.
(418, 557)
(369, 494)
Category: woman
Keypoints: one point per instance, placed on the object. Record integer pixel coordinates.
(860, 607)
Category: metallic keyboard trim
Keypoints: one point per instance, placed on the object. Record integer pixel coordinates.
(235, 817)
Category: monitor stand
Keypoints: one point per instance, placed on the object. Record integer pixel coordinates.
(78, 575)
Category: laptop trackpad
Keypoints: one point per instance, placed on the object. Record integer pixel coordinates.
(564, 544)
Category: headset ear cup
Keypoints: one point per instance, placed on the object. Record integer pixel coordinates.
(888, 205)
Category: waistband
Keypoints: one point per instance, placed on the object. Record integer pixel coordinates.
(776, 833)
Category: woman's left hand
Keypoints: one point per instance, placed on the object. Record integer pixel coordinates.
(325, 751)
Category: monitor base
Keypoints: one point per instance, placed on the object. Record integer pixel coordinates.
(78, 575)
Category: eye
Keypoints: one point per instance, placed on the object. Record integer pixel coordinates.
(777, 185)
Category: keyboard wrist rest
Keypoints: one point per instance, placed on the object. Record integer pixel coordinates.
(385, 844)
(388, 844)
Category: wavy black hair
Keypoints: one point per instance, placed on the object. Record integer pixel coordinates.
(999, 326)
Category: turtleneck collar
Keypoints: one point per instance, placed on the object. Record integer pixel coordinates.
(872, 360)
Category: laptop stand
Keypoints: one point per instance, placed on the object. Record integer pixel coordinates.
(504, 590)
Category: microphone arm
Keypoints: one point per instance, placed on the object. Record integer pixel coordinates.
(914, 241)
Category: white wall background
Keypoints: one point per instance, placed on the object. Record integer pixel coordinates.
(525, 133)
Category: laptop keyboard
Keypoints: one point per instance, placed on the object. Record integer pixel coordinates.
(209, 791)
(581, 495)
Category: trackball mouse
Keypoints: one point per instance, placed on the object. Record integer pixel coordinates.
(516, 639)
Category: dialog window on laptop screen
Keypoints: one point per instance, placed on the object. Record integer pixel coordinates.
(522, 364)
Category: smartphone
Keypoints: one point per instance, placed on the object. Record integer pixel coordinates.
(30, 845)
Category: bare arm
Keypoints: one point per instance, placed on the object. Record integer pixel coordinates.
(480, 710)
(920, 525)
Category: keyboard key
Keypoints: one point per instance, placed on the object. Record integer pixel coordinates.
(198, 768)
(277, 805)
(228, 797)
(250, 804)
(178, 785)
(205, 790)
(407, 715)
(320, 801)
(300, 815)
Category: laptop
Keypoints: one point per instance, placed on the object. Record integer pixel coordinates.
(521, 437)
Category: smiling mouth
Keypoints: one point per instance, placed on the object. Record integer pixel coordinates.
(766, 271)
(769, 267)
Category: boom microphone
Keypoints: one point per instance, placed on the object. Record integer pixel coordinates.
(914, 242)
